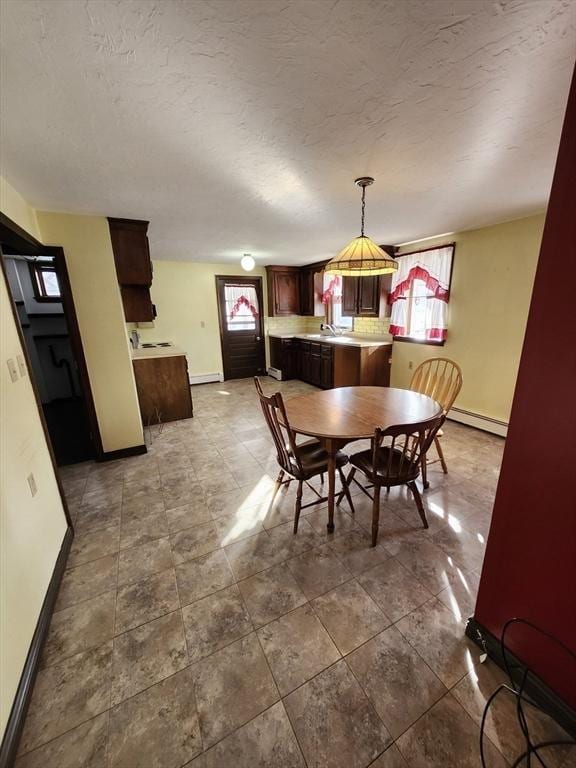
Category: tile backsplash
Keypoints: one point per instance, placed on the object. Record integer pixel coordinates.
(370, 325)
(294, 324)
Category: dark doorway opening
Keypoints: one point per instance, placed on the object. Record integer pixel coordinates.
(37, 280)
(240, 308)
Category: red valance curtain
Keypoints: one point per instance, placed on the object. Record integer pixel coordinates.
(242, 296)
(432, 269)
(332, 290)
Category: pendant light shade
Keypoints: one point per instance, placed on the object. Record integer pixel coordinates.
(362, 256)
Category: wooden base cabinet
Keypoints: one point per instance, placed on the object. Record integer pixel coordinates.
(163, 389)
(362, 366)
(328, 365)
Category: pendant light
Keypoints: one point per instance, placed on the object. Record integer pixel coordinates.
(362, 256)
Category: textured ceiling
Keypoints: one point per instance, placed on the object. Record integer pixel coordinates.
(240, 126)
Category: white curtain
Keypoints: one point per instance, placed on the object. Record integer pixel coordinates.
(433, 268)
(241, 300)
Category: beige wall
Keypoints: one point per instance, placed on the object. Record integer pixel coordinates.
(90, 261)
(185, 298)
(13, 205)
(31, 528)
(492, 282)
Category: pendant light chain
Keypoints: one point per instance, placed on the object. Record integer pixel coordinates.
(363, 208)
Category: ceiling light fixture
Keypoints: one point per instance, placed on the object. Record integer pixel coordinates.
(362, 256)
(247, 262)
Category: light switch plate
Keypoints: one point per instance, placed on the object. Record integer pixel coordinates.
(21, 365)
(12, 368)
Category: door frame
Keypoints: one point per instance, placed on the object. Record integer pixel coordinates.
(255, 281)
(16, 241)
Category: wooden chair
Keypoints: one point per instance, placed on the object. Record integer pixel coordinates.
(440, 379)
(394, 458)
(300, 462)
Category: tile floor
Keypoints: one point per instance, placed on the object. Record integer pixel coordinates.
(193, 629)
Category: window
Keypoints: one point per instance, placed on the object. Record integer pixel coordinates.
(241, 307)
(419, 295)
(332, 300)
(45, 282)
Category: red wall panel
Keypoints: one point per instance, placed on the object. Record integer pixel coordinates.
(530, 564)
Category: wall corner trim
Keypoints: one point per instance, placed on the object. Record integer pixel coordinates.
(21, 701)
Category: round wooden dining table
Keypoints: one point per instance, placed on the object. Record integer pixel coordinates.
(339, 416)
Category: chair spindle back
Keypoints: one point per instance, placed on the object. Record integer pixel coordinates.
(284, 440)
(397, 450)
(440, 379)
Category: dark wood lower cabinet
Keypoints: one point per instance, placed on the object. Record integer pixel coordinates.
(328, 365)
(163, 389)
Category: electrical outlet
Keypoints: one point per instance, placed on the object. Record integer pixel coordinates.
(21, 365)
(13, 370)
(32, 484)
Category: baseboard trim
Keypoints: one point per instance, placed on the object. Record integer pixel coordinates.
(485, 423)
(123, 453)
(17, 716)
(536, 688)
(205, 378)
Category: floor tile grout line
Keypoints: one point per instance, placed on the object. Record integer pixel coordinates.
(353, 576)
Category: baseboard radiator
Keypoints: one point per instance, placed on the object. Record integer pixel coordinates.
(205, 378)
(485, 423)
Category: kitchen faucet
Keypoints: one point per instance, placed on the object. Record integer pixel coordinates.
(332, 328)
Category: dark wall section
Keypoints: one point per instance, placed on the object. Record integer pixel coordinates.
(530, 565)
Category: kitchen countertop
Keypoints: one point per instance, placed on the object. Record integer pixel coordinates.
(341, 341)
(144, 353)
(344, 341)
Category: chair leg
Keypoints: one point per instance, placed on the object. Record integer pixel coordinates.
(441, 455)
(345, 485)
(418, 499)
(375, 514)
(322, 478)
(277, 486)
(346, 491)
(298, 506)
(424, 467)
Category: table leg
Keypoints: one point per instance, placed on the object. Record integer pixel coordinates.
(331, 449)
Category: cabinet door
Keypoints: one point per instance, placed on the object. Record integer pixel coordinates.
(315, 370)
(368, 296)
(349, 296)
(326, 367)
(131, 252)
(307, 292)
(163, 389)
(286, 293)
(288, 359)
(138, 307)
(304, 361)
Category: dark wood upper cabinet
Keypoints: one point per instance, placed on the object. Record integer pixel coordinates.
(366, 296)
(131, 251)
(138, 307)
(133, 267)
(311, 287)
(349, 296)
(283, 290)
